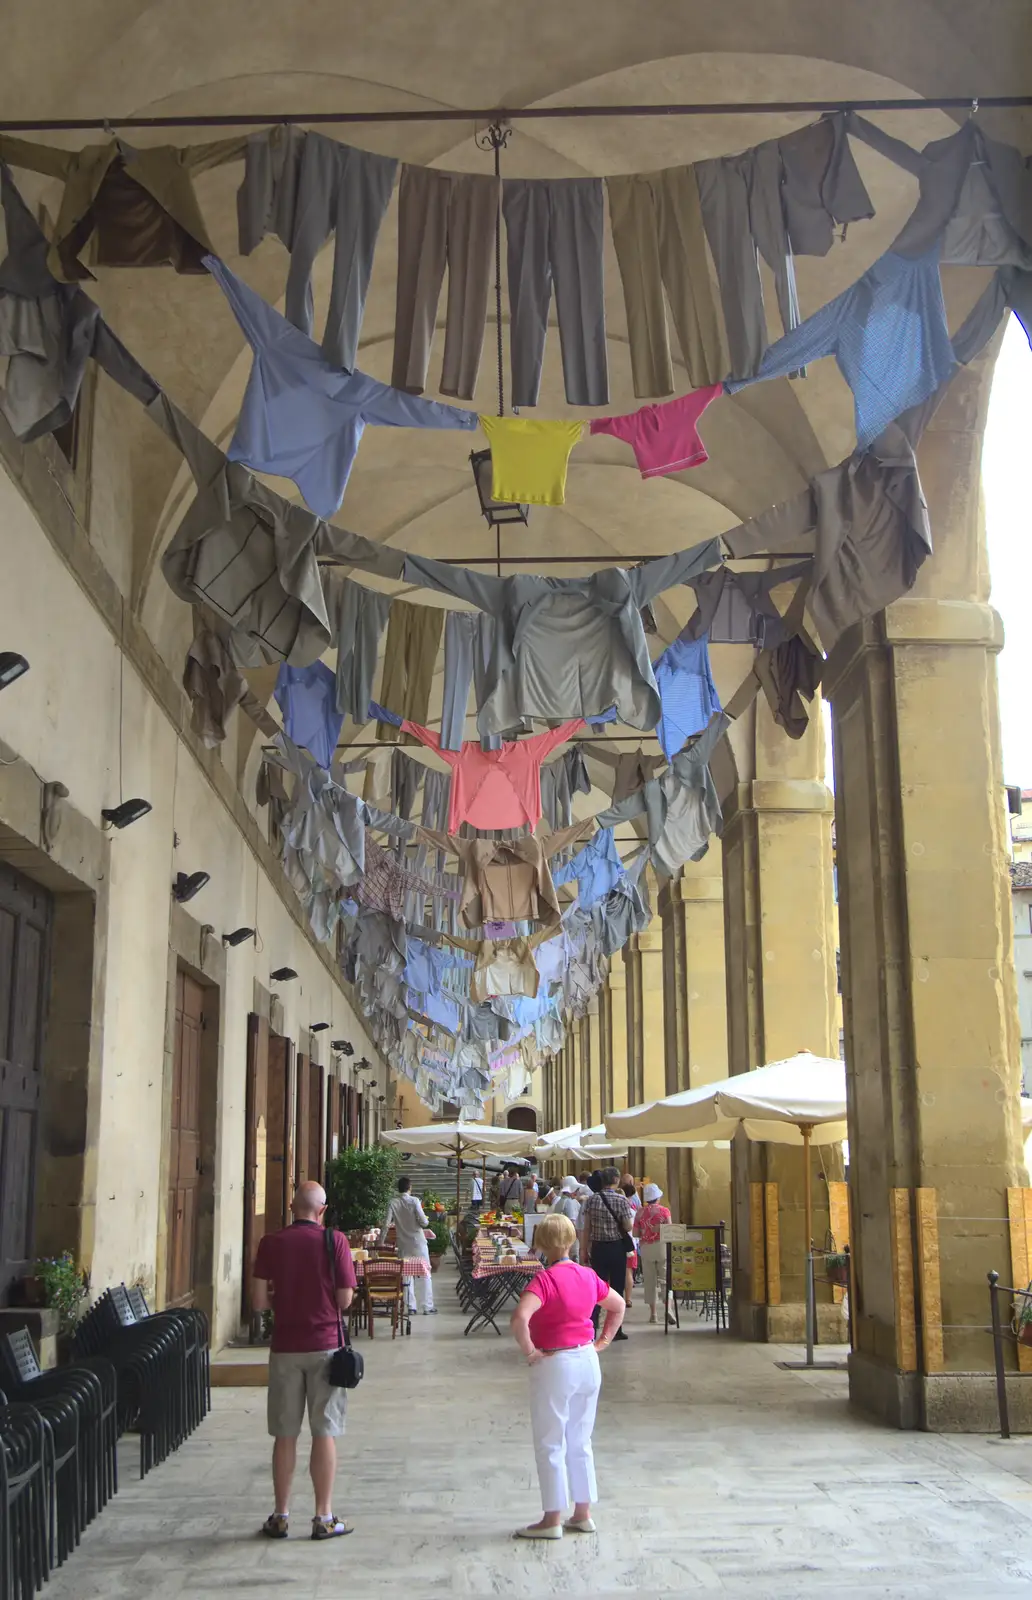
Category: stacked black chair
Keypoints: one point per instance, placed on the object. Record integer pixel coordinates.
(79, 1403)
(197, 1349)
(26, 1489)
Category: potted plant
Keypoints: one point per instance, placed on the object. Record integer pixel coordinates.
(436, 1210)
(1025, 1322)
(836, 1268)
(360, 1186)
(65, 1289)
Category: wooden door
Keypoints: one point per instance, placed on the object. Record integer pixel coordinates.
(280, 1135)
(256, 1138)
(184, 1144)
(25, 911)
(334, 1103)
(315, 1118)
(302, 1160)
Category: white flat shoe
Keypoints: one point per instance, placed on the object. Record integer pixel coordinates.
(587, 1526)
(539, 1533)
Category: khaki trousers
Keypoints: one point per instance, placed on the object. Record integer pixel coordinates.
(661, 244)
(410, 656)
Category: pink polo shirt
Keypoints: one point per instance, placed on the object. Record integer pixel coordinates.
(496, 788)
(568, 1295)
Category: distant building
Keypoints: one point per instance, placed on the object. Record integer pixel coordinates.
(1021, 825)
(1021, 892)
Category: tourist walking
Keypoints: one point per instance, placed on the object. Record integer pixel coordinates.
(607, 1219)
(566, 1204)
(292, 1278)
(647, 1224)
(510, 1190)
(406, 1215)
(553, 1326)
(630, 1194)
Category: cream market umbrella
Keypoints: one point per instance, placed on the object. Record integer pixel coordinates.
(801, 1101)
(460, 1139)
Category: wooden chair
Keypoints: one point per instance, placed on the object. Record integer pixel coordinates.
(383, 1289)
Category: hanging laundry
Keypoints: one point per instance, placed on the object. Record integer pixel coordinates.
(560, 781)
(788, 676)
(1009, 290)
(681, 808)
(686, 690)
(736, 607)
(496, 788)
(554, 233)
(362, 616)
(305, 187)
(820, 184)
(307, 697)
(471, 640)
(596, 870)
(251, 555)
(664, 438)
(444, 219)
(300, 417)
(49, 331)
(868, 521)
(888, 334)
(569, 646)
(140, 204)
(660, 244)
(625, 910)
(410, 656)
(529, 458)
(386, 881)
(215, 684)
(503, 969)
(508, 880)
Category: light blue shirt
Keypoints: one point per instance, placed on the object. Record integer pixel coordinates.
(687, 692)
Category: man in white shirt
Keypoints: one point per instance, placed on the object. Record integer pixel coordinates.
(476, 1199)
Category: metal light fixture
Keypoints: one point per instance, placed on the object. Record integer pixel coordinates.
(282, 975)
(317, 1027)
(12, 666)
(238, 936)
(128, 811)
(345, 1046)
(496, 512)
(186, 887)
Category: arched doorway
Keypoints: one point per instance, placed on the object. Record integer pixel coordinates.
(523, 1117)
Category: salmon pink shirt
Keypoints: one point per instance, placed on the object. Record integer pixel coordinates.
(496, 788)
(568, 1294)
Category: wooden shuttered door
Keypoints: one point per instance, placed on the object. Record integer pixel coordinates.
(25, 917)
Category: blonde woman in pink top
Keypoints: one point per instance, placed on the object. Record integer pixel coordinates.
(552, 1326)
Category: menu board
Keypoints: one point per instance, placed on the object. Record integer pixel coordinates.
(693, 1261)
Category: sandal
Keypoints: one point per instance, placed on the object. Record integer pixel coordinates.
(330, 1528)
(276, 1527)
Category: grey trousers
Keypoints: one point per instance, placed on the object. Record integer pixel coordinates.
(444, 219)
(660, 244)
(328, 188)
(554, 233)
(469, 644)
(362, 619)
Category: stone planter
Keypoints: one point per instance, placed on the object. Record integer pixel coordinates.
(435, 1261)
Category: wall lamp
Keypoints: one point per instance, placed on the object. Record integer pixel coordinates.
(120, 816)
(317, 1027)
(345, 1046)
(237, 936)
(186, 887)
(282, 975)
(11, 666)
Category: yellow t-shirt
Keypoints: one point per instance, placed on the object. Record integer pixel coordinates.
(529, 458)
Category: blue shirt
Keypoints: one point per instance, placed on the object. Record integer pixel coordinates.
(597, 869)
(687, 693)
(303, 419)
(888, 334)
(307, 697)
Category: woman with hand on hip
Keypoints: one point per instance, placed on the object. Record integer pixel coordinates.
(552, 1325)
(647, 1223)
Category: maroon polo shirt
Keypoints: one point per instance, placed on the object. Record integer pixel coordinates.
(296, 1263)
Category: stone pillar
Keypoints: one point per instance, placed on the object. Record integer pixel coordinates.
(781, 998)
(927, 963)
(616, 1006)
(646, 1059)
(592, 1065)
(695, 1011)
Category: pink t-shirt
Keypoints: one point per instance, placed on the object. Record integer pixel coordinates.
(568, 1295)
(496, 788)
(664, 438)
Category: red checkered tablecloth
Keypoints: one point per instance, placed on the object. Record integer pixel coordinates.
(411, 1267)
(497, 1269)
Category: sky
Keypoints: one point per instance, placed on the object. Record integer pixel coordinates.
(1008, 486)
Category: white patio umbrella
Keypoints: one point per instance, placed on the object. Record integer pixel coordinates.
(801, 1101)
(460, 1139)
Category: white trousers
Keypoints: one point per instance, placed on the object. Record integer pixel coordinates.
(563, 1397)
(653, 1270)
(421, 1294)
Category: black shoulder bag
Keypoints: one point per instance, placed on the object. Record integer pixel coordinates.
(627, 1239)
(347, 1367)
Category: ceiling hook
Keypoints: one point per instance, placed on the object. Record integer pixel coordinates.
(974, 106)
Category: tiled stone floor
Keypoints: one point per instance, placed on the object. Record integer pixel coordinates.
(719, 1474)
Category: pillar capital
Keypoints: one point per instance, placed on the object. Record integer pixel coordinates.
(782, 795)
(919, 621)
(617, 977)
(650, 939)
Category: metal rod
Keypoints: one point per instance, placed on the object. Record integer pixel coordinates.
(501, 114)
(811, 1307)
(1001, 1375)
(590, 561)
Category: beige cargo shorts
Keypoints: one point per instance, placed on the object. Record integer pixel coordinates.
(300, 1378)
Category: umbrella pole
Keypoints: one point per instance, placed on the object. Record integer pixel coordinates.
(809, 1286)
(458, 1181)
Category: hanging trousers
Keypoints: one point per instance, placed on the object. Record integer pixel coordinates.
(470, 640)
(306, 193)
(363, 617)
(410, 655)
(554, 234)
(563, 1400)
(444, 219)
(661, 244)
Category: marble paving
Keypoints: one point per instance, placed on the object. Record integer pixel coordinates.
(719, 1474)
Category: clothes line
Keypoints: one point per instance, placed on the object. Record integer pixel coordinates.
(501, 114)
(587, 561)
